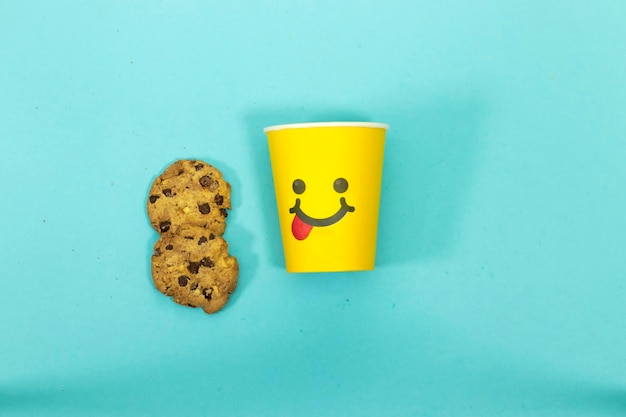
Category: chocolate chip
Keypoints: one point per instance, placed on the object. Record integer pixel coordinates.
(169, 247)
(193, 286)
(204, 208)
(193, 267)
(165, 226)
(157, 252)
(206, 181)
(189, 237)
(154, 198)
(183, 280)
(207, 262)
(210, 183)
(223, 212)
(198, 167)
(211, 236)
(219, 199)
(202, 240)
(207, 292)
(168, 192)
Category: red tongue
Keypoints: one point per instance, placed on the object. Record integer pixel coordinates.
(300, 229)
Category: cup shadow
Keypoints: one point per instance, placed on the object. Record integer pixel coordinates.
(430, 156)
(431, 153)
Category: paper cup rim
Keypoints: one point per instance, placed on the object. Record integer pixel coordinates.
(326, 124)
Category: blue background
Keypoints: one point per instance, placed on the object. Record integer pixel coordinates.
(500, 280)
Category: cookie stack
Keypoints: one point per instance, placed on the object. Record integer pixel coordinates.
(188, 206)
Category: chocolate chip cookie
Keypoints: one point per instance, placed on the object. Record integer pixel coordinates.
(192, 265)
(189, 192)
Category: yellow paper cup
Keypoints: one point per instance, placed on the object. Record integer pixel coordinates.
(327, 179)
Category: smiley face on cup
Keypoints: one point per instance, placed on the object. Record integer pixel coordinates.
(303, 223)
(327, 179)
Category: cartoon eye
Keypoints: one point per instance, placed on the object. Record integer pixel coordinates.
(298, 186)
(340, 185)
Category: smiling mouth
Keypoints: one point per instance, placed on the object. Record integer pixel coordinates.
(303, 224)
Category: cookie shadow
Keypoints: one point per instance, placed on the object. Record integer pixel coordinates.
(153, 234)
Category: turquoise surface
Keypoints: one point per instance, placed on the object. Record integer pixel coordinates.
(500, 281)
